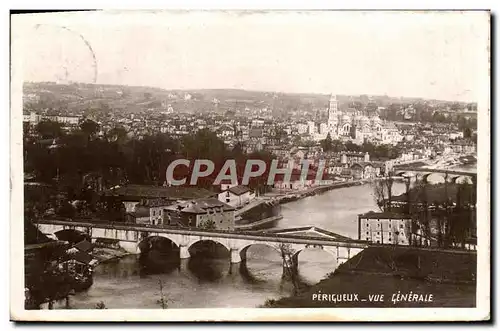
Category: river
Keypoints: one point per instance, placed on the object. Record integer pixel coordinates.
(213, 282)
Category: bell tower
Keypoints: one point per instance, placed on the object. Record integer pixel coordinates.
(332, 109)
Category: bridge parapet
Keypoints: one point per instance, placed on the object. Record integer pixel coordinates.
(400, 170)
(237, 243)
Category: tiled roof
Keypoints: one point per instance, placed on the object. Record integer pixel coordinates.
(239, 190)
(84, 246)
(372, 214)
(200, 206)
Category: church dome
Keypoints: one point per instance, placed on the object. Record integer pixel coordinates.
(376, 120)
(346, 118)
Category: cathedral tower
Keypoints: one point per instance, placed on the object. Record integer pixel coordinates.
(333, 110)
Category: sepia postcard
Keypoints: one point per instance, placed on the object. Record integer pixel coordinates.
(189, 165)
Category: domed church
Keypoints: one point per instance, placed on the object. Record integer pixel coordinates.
(355, 125)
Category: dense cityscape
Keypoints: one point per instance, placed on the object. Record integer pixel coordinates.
(98, 154)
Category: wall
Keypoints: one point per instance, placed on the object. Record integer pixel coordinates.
(130, 205)
(129, 240)
(222, 220)
(156, 215)
(230, 198)
(384, 230)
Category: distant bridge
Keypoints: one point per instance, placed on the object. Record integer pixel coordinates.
(132, 237)
(452, 175)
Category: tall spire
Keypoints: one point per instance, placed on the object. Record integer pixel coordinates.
(332, 109)
(333, 104)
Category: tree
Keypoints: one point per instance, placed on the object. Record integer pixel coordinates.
(89, 128)
(49, 129)
(327, 144)
(352, 147)
(280, 135)
(338, 146)
(100, 305)
(289, 265)
(114, 210)
(46, 282)
(382, 192)
(162, 301)
(358, 105)
(467, 133)
(371, 107)
(118, 134)
(66, 210)
(207, 225)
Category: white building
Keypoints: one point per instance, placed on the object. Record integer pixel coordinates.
(384, 228)
(311, 127)
(302, 128)
(323, 129)
(236, 196)
(355, 125)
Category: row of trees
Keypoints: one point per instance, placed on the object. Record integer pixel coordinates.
(444, 213)
(82, 164)
(375, 151)
(117, 159)
(422, 112)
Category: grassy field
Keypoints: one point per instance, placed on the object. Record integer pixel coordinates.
(449, 277)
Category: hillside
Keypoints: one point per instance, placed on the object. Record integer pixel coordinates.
(77, 97)
(449, 277)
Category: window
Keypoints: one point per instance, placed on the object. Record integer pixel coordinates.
(378, 241)
(378, 232)
(367, 232)
(389, 225)
(401, 226)
(228, 200)
(154, 212)
(390, 239)
(367, 225)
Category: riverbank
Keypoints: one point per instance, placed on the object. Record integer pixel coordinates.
(265, 223)
(450, 277)
(107, 254)
(285, 197)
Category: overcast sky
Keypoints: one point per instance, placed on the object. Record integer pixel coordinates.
(431, 55)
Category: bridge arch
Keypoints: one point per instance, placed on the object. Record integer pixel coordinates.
(461, 179)
(172, 238)
(190, 246)
(146, 242)
(330, 250)
(319, 247)
(243, 251)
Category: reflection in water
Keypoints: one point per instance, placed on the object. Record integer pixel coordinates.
(314, 265)
(263, 263)
(208, 269)
(208, 279)
(209, 261)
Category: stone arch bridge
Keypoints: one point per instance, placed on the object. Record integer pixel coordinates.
(447, 174)
(292, 241)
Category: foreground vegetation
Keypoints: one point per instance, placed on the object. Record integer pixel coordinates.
(449, 276)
